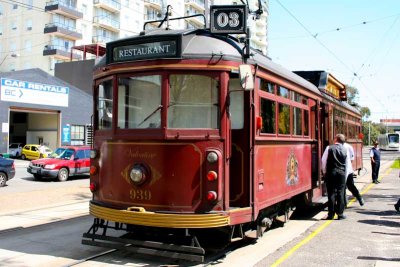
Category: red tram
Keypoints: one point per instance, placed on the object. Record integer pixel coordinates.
(181, 148)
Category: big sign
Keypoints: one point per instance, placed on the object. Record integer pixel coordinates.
(228, 19)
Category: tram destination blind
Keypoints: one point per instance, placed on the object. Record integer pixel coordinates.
(148, 50)
(228, 19)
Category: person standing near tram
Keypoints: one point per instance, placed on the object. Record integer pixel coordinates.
(375, 155)
(334, 162)
(349, 176)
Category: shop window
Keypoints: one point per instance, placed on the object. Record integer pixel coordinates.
(77, 134)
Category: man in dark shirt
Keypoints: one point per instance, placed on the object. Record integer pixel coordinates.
(375, 155)
(334, 170)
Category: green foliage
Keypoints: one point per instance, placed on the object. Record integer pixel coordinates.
(396, 164)
(365, 113)
(373, 129)
(352, 95)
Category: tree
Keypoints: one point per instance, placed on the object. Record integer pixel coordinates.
(352, 95)
(365, 113)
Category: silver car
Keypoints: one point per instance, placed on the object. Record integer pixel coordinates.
(14, 149)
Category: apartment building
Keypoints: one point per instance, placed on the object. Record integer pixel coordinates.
(41, 33)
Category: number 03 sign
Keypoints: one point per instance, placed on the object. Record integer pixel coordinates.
(228, 19)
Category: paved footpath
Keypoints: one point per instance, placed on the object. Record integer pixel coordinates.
(369, 236)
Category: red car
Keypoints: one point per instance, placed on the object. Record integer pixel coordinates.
(66, 161)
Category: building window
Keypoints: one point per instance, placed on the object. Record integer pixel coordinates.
(84, 9)
(28, 46)
(1, 10)
(1, 30)
(13, 25)
(29, 4)
(77, 134)
(15, 6)
(28, 24)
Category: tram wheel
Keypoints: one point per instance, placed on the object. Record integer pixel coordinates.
(63, 175)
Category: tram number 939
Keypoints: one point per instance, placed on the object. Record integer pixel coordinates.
(139, 194)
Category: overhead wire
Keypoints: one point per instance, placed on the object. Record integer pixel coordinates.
(345, 65)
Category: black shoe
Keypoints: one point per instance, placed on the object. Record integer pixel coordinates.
(329, 217)
(361, 201)
(378, 181)
(397, 207)
(341, 217)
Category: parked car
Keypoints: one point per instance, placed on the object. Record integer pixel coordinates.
(7, 170)
(35, 152)
(72, 160)
(15, 149)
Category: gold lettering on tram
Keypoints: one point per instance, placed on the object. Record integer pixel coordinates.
(140, 194)
(140, 155)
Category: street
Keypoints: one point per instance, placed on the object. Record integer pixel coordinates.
(42, 224)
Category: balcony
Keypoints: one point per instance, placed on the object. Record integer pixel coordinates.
(110, 5)
(58, 29)
(62, 8)
(261, 42)
(59, 52)
(199, 5)
(156, 4)
(107, 23)
(102, 39)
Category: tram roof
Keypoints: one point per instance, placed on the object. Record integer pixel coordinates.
(203, 44)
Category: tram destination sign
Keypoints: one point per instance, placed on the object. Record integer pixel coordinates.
(139, 49)
(230, 19)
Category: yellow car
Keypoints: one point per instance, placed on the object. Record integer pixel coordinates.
(35, 152)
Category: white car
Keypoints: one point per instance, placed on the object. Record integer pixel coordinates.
(14, 149)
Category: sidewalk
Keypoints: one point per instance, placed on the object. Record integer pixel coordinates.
(43, 215)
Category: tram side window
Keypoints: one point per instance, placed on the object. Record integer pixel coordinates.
(305, 122)
(284, 118)
(105, 105)
(297, 121)
(266, 86)
(284, 92)
(139, 102)
(268, 116)
(193, 102)
(236, 105)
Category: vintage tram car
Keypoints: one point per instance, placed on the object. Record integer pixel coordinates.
(180, 148)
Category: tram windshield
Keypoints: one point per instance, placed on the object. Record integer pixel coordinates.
(393, 138)
(139, 102)
(193, 102)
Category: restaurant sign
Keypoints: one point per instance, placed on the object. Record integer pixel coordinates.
(144, 49)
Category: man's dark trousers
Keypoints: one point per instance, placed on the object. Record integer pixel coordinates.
(352, 188)
(335, 186)
(375, 170)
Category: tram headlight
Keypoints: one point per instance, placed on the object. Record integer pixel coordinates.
(93, 153)
(138, 174)
(212, 157)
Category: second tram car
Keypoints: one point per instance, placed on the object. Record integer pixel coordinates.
(181, 148)
(389, 141)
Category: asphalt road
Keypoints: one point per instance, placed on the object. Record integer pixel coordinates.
(23, 192)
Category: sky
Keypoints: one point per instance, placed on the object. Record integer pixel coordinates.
(357, 41)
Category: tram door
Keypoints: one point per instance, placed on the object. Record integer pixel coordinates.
(239, 163)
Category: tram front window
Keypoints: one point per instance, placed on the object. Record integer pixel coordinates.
(139, 102)
(105, 105)
(193, 102)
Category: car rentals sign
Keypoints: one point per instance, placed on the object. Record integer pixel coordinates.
(33, 93)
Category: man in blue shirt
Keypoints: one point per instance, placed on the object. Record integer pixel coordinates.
(375, 155)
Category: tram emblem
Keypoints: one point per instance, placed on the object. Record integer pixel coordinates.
(292, 166)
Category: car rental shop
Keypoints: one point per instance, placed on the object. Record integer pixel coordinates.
(38, 108)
